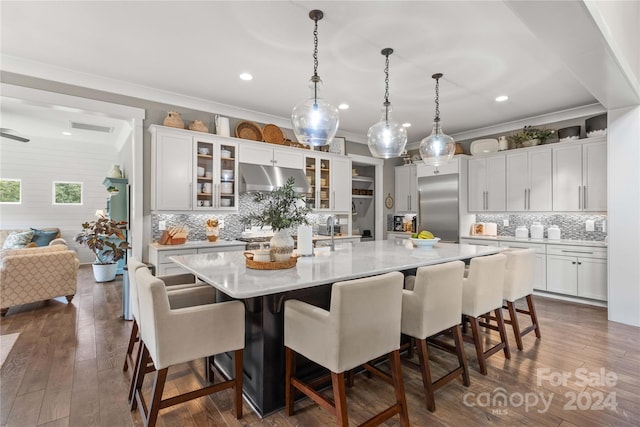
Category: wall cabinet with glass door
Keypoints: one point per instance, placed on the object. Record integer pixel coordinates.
(328, 177)
(216, 174)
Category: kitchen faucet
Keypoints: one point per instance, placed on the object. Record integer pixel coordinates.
(331, 221)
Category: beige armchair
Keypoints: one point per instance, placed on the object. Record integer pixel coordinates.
(35, 274)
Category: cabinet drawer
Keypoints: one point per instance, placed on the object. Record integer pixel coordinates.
(163, 256)
(539, 247)
(581, 251)
(170, 270)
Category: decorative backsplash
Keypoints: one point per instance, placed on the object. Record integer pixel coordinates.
(572, 226)
(233, 226)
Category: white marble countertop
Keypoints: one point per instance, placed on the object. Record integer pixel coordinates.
(593, 243)
(227, 272)
(198, 244)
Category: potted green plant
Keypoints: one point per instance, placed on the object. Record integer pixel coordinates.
(105, 238)
(281, 209)
(530, 136)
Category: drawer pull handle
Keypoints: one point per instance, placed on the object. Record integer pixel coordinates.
(578, 252)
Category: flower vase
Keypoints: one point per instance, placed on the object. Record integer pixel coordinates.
(212, 233)
(281, 246)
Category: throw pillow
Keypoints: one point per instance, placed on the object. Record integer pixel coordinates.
(17, 240)
(43, 237)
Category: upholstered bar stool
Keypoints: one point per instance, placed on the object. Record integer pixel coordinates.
(518, 283)
(432, 304)
(363, 323)
(481, 294)
(172, 336)
(175, 282)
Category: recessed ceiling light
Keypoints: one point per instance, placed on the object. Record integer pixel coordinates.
(246, 77)
(406, 125)
(343, 106)
(501, 98)
(67, 133)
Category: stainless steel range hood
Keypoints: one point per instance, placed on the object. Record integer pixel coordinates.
(268, 178)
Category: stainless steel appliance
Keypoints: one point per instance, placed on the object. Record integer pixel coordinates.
(438, 206)
(400, 223)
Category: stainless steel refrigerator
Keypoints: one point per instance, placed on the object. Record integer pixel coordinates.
(439, 206)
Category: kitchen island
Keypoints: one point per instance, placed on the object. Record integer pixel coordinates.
(264, 292)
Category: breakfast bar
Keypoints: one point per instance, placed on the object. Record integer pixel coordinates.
(264, 292)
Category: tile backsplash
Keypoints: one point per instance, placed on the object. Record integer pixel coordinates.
(233, 226)
(572, 226)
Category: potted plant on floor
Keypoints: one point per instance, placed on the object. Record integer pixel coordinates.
(281, 209)
(105, 238)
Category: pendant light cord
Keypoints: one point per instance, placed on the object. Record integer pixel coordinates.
(386, 89)
(437, 118)
(315, 77)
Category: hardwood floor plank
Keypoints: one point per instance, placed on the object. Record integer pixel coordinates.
(85, 399)
(55, 404)
(26, 409)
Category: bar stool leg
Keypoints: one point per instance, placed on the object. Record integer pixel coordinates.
(398, 386)
(475, 330)
(503, 332)
(290, 371)
(340, 398)
(423, 355)
(462, 358)
(532, 313)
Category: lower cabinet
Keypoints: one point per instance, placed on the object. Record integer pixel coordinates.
(480, 242)
(160, 257)
(577, 271)
(540, 272)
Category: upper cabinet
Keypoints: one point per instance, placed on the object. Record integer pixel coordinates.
(528, 180)
(267, 154)
(329, 177)
(580, 177)
(406, 189)
(192, 171)
(486, 184)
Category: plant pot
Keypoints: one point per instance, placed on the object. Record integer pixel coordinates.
(105, 272)
(281, 246)
(530, 142)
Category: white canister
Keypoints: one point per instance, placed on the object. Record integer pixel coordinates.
(222, 126)
(537, 231)
(553, 232)
(522, 232)
(503, 143)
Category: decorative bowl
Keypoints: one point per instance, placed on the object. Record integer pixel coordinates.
(424, 242)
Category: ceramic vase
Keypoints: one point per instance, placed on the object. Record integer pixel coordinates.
(115, 172)
(281, 245)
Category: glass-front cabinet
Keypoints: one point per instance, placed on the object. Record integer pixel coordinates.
(216, 174)
(329, 178)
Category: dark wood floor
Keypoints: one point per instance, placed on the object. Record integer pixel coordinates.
(66, 369)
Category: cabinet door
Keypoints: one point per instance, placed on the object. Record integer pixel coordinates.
(517, 181)
(567, 178)
(562, 274)
(477, 184)
(287, 158)
(172, 171)
(340, 190)
(540, 183)
(226, 175)
(257, 154)
(592, 278)
(594, 176)
(496, 188)
(540, 273)
(311, 171)
(406, 189)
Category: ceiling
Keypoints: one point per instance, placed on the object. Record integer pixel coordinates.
(198, 49)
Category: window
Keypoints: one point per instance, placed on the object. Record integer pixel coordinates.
(67, 193)
(10, 191)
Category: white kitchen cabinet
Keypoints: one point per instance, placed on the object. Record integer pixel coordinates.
(267, 154)
(580, 177)
(329, 178)
(578, 271)
(528, 180)
(480, 242)
(406, 189)
(172, 169)
(486, 184)
(452, 166)
(160, 256)
(540, 269)
(192, 171)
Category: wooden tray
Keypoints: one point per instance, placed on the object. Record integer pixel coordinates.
(273, 134)
(249, 130)
(272, 265)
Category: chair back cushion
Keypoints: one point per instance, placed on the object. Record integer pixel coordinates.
(133, 264)
(366, 314)
(435, 303)
(518, 276)
(482, 289)
(153, 304)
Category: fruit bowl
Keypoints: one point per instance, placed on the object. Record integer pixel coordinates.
(424, 242)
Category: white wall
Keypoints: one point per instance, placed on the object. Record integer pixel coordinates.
(623, 187)
(40, 162)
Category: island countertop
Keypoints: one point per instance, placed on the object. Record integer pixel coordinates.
(227, 272)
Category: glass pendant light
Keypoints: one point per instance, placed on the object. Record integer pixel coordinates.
(387, 138)
(314, 120)
(438, 148)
